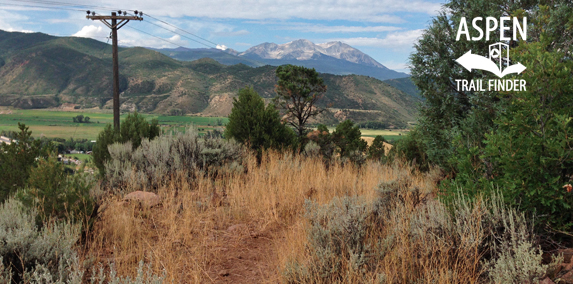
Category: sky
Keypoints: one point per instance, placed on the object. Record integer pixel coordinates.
(384, 29)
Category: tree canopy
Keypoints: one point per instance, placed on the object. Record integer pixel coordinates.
(517, 141)
(298, 90)
(255, 125)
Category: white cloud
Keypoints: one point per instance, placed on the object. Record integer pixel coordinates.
(396, 40)
(357, 10)
(93, 31)
(134, 38)
(233, 33)
(336, 29)
(7, 20)
(127, 37)
(398, 66)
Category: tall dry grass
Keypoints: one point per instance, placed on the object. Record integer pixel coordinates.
(184, 235)
(414, 238)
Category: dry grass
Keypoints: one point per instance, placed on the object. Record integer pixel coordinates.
(188, 236)
(185, 235)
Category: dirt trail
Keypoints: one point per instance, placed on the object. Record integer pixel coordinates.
(246, 256)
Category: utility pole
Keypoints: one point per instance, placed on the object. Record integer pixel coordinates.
(115, 26)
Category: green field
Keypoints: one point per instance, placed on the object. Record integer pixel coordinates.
(51, 124)
(388, 134)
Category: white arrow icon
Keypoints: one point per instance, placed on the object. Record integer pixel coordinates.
(473, 61)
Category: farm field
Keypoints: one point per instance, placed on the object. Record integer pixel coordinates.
(388, 134)
(55, 123)
(52, 123)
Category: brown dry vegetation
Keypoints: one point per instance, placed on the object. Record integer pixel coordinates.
(187, 235)
(249, 227)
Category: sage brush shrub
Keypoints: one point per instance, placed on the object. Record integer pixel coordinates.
(353, 240)
(133, 130)
(31, 253)
(311, 149)
(144, 276)
(154, 162)
(337, 241)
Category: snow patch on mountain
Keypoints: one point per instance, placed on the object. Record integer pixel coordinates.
(303, 49)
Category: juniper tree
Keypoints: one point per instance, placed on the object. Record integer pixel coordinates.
(298, 91)
(260, 127)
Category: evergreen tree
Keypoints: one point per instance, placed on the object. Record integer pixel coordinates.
(298, 89)
(17, 159)
(376, 150)
(255, 125)
(348, 138)
(518, 142)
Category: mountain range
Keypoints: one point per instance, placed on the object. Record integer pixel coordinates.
(333, 57)
(39, 71)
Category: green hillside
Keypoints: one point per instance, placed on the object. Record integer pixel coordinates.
(405, 85)
(41, 71)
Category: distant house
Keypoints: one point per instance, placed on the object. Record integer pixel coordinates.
(6, 140)
(69, 161)
(76, 152)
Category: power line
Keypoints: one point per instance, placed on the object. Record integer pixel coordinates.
(58, 5)
(42, 7)
(65, 4)
(115, 23)
(156, 36)
(191, 39)
(62, 5)
(180, 29)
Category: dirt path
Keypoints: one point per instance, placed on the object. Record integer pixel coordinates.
(246, 257)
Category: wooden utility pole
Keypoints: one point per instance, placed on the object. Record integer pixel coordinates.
(114, 26)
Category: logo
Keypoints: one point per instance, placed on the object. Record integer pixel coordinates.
(498, 61)
(497, 52)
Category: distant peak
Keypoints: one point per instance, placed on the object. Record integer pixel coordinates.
(304, 49)
(302, 40)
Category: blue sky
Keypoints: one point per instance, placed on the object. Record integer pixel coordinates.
(383, 29)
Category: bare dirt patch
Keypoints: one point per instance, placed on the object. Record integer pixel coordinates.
(246, 256)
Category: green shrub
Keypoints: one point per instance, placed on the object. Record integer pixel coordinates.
(56, 194)
(348, 139)
(133, 129)
(17, 159)
(253, 124)
(412, 149)
(324, 140)
(376, 150)
(531, 150)
(528, 154)
(156, 161)
(30, 253)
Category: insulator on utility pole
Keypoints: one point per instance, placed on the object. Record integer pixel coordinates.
(115, 26)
